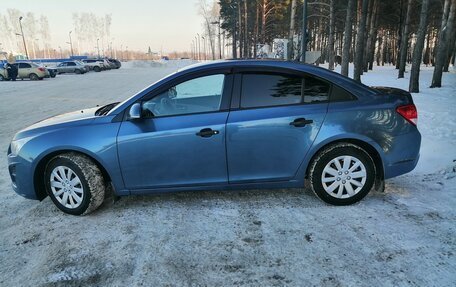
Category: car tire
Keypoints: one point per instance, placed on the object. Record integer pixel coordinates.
(2, 78)
(342, 174)
(74, 183)
(77, 71)
(33, 77)
(97, 69)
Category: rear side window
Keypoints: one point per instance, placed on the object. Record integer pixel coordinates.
(340, 95)
(24, 65)
(264, 90)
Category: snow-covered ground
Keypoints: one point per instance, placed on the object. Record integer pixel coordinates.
(403, 237)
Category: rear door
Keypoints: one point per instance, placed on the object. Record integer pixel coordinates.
(274, 120)
(24, 70)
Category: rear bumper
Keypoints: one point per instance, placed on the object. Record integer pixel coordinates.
(400, 168)
(402, 154)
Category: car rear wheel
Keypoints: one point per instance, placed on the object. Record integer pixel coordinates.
(33, 77)
(96, 69)
(342, 174)
(74, 183)
(77, 71)
(2, 78)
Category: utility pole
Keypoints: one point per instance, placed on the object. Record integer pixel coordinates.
(71, 44)
(304, 31)
(196, 48)
(199, 47)
(98, 47)
(23, 38)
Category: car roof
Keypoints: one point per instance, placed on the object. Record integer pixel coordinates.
(353, 86)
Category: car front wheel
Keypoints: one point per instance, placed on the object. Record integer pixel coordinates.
(342, 174)
(75, 183)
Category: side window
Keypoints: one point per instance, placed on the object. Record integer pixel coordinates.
(71, 64)
(203, 94)
(339, 95)
(265, 90)
(24, 66)
(315, 90)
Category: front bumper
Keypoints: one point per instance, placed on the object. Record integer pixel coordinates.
(21, 174)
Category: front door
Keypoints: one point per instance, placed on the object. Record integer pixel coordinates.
(180, 139)
(277, 121)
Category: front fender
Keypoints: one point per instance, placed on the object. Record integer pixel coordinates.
(96, 140)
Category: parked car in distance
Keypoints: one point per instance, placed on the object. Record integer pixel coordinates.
(52, 72)
(107, 65)
(95, 65)
(3, 73)
(223, 125)
(116, 63)
(30, 71)
(71, 67)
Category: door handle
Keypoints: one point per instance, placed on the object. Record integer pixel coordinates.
(207, 132)
(300, 122)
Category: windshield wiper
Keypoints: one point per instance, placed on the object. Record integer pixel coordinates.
(104, 110)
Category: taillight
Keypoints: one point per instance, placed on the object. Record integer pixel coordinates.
(41, 69)
(409, 113)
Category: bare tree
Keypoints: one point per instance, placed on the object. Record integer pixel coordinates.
(210, 13)
(443, 43)
(404, 40)
(331, 35)
(347, 38)
(360, 42)
(292, 30)
(45, 35)
(414, 85)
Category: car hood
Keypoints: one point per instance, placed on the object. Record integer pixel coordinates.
(80, 117)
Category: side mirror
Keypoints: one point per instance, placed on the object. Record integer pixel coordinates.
(135, 111)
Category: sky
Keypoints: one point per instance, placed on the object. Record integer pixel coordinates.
(161, 24)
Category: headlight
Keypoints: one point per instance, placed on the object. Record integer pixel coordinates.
(18, 144)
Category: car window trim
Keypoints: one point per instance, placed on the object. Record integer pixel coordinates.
(226, 93)
(237, 93)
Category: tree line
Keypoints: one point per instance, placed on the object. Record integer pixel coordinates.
(89, 33)
(363, 32)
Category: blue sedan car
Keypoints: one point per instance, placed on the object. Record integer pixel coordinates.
(223, 125)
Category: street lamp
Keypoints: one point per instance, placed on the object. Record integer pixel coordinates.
(71, 44)
(204, 45)
(23, 38)
(219, 42)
